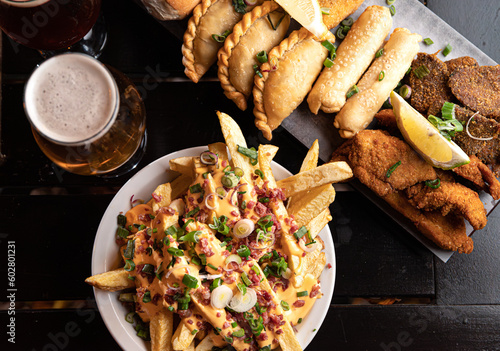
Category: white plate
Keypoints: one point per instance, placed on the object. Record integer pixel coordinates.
(105, 255)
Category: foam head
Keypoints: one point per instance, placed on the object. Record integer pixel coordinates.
(71, 98)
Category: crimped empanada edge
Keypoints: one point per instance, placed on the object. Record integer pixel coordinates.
(259, 83)
(224, 54)
(188, 39)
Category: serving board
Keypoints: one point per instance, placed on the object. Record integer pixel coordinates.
(307, 127)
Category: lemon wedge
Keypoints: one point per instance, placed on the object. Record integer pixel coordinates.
(308, 14)
(425, 138)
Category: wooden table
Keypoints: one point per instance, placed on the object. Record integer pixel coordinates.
(452, 306)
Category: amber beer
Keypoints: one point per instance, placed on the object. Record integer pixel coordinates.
(85, 118)
(48, 24)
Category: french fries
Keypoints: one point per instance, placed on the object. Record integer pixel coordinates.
(170, 255)
(111, 281)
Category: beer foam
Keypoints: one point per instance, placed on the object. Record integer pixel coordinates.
(25, 3)
(71, 98)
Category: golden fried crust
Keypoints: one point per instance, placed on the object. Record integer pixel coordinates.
(448, 232)
(478, 88)
(453, 64)
(237, 88)
(371, 154)
(299, 60)
(432, 87)
(339, 9)
(450, 197)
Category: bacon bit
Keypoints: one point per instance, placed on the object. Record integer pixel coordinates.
(260, 209)
(224, 163)
(299, 303)
(250, 204)
(156, 197)
(218, 314)
(205, 248)
(169, 299)
(144, 217)
(294, 228)
(314, 291)
(254, 217)
(234, 213)
(185, 313)
(263, 337)
(279, 331)
(329, 266)
(225, 325)
(156, 298)
(190, 321)
(229, 280)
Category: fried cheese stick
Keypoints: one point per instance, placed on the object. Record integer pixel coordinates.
(354, 56)
(360, 109)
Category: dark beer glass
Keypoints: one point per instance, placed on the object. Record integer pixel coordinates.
(48, 25)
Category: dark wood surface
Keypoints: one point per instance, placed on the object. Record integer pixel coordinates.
(452, 306)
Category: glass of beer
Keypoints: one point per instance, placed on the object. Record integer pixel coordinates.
(88, 118)
(52, 25)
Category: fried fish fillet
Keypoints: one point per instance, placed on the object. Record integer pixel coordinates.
(384, 163)
(448, 232)
(480, 175)
(449, 197)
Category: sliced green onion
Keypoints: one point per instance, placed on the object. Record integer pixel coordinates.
(221, 38)
(245, 279)
(434, 184)
(340, 33)
(392, 9)
(243, 251)
(212, 266)
(130, 317)
(192, 237)
(193, 212)
(159, 271)
(195, 188)
(242, 288)
(129, 251)
(381, 76)
(233, 258)
(129, 265)
(302, 293)
(300, 233)
(263, 200)
(325, 10)
(328, 62)
(259, 173)
(278, 23)
(194, 331)
(448, 111)
(239, 172)
(421, 71)
(347, 22)
(405, 91)
(122, 232)
(215, 284)
(392, 169)
(146, 297)
(379, 53)
(190, 281)
(234, 324)
(447, 50)
(257, 71)
(428, 41)
(299, 321)
(239, 333)
(328, 45)
(390, 2)
(121, 220)
(247, 152)
(262, 56)
(175, 251)
(148, 269)
(354, 90)
(285, 305)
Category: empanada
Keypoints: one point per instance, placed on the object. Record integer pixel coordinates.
(199, 50)
(286, 79)
(253, 34)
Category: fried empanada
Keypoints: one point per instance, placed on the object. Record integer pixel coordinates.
(199, 50)
(287, 77)
(253, 34)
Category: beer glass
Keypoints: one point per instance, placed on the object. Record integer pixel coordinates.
(52, 25)
(86, 117)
